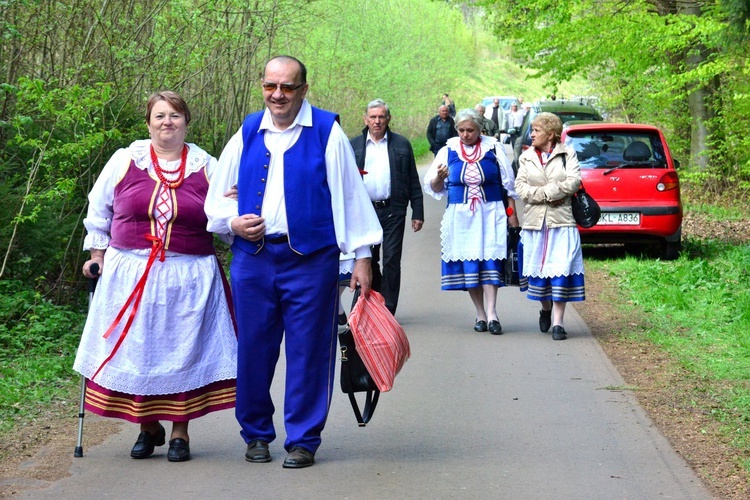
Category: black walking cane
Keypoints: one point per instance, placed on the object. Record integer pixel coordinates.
(94, 269)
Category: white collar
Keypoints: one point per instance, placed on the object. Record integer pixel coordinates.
(487, 142)
(140, 152)
(370, 139)
(303, 118)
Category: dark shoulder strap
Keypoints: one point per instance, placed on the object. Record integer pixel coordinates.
(371, 397)
(565, 166)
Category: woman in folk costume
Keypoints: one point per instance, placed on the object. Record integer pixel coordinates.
(552, 259)
(474, 172)
(159, 342)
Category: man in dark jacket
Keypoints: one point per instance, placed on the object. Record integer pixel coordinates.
(392, 182)
(440, 129)
(489, 128)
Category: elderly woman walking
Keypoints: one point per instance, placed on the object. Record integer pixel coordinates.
(552, 260)
(474, 172)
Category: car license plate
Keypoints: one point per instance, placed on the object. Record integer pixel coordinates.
(620, 218)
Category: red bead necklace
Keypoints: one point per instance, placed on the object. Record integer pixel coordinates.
(475, 155)
(161, 171)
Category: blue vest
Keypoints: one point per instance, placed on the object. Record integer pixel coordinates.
(491, 188)
(306, 192)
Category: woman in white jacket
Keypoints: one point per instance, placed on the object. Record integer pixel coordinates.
(552, 260)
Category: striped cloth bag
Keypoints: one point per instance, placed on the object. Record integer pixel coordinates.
(380, 341)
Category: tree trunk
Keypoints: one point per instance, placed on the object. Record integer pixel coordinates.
(700, 112)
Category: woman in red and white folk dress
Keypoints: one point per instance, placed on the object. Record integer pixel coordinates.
(146, 229)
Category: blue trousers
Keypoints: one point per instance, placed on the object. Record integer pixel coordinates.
(281, 294)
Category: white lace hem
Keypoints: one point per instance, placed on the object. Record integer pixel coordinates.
(182, 337)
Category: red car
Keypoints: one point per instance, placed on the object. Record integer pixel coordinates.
(630, 172)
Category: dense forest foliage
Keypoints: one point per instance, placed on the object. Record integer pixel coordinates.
(76, 75)
(679, 64)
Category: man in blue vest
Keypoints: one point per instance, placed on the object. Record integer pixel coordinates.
(300, 203)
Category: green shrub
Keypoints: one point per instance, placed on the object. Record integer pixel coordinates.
(37, 345)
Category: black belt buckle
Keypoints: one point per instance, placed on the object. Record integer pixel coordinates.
(279, 239)
(381, 203)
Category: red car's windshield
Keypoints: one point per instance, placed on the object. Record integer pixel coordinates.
(603, 149)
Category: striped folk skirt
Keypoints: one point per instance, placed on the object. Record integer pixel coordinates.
(551, 261)
(465, 274)
(180, 407)
(558, 289)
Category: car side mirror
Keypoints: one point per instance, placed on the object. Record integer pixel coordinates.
(676, 162)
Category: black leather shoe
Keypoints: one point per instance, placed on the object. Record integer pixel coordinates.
(495, 328)
(299, 458)
(480, 326)
(179, 450)
(545, 320)
(558, 333)
(144, 445)
(257, 452)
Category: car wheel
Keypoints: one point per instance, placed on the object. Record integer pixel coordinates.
(671, 246)
(670, 250)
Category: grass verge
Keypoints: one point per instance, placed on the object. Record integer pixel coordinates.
(698, 311)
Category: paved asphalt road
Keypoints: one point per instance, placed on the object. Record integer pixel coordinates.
(472, 415)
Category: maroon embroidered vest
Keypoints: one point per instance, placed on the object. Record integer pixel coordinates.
(135, 198)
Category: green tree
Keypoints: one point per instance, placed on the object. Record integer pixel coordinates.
(75, 78)
(658, 61)
(739, 14)
(407, 53)
(76, 75)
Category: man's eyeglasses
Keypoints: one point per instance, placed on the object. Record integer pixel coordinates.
(286, 88)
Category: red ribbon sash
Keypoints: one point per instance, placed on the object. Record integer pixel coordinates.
(157, 249)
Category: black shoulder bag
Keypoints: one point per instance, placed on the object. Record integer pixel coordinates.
(355, 377)
(512, 275)
(586, 210)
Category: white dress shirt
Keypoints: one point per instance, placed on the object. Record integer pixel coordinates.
(378, 168)
(354, 219)
(517, 118)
